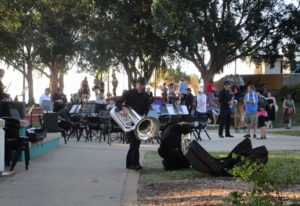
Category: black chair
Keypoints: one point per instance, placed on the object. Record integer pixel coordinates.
(13, 142)
(200, 123)
(78, 128)
(94, 128)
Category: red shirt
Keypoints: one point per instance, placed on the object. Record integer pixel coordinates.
(210, 86)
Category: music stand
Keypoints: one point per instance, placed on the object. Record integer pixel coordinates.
(171, 110)
(89, 108)
(75, 109)
(179, 109)
(185, 110)
(154, 111)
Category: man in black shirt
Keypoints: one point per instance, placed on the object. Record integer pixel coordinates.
(189, 100)
(170, 147)
(59, 99)
(138, 100)
(225, 101)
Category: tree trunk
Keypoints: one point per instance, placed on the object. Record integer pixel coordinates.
(30, 84)
(206, 76)
(54, 78)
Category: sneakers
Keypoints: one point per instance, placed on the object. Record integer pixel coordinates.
(247, 136)
(254, 136)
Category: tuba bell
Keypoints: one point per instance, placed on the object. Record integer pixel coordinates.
(145, 128)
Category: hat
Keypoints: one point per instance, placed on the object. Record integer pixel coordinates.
(141, 80)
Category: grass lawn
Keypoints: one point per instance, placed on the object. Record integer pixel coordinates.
(154, 170)
(288, 133)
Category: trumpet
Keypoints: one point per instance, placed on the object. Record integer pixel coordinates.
(145, 128)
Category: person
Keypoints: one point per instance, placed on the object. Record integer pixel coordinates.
(100, 99)
(289, 110)
(138, 100)
(210, 92)
(171, 94)
(84, 91)
(3, 95)
(183, 90)
(271, 109)
(101, 85)
(59, 99)
(164, 92)
(115, 83)
(225, 101)
(45, 96)
(149, 92)
(170, 147)
(96, 87)
(251, 106)
(262, 115)
(201, 108)
(241, 84)
(189, 100)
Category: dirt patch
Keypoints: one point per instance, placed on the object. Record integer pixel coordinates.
(198, 192)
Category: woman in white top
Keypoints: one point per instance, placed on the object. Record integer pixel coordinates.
(201, 108)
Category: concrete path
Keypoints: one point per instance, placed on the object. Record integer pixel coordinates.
(75, 174)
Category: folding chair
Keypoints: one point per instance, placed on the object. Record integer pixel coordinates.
(14, 142)
(202, 123)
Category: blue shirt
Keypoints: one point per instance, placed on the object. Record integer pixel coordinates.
(251, 103)
(183, 88)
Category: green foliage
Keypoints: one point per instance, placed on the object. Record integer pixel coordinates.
(226, 30)
(293, 90)
(267, 184)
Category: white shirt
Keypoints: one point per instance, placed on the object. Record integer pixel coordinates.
(44, 97)
(201, 103)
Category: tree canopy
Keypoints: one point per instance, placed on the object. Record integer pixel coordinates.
(214, 33)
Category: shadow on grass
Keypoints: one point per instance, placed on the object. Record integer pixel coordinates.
(154, 171)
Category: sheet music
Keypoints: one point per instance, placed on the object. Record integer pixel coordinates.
(185, 109)
(171, 109)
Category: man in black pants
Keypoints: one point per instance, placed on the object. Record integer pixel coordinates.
(225, 101)
(138, 100)
(170, 147)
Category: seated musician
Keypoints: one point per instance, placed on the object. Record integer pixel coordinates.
(59, 99)
(3, 95)
(45, 96)
(100, 98)
(170, 148)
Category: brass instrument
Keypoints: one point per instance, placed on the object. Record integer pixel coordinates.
(145, 128)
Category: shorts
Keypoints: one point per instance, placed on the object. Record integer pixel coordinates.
(251, 119)
(262, 121)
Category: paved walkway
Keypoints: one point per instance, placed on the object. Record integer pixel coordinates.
(93, 174)
(76, 174)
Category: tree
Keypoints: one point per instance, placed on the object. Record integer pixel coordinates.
(19, 36)
(61, 37)
(123, 34)
(214, 33)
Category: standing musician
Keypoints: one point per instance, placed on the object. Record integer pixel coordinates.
(225, 103)
(138, 100)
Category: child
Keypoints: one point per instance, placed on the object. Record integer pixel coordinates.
(262, 115)
(288, 110)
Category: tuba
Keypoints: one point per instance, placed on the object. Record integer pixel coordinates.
(145, 128)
